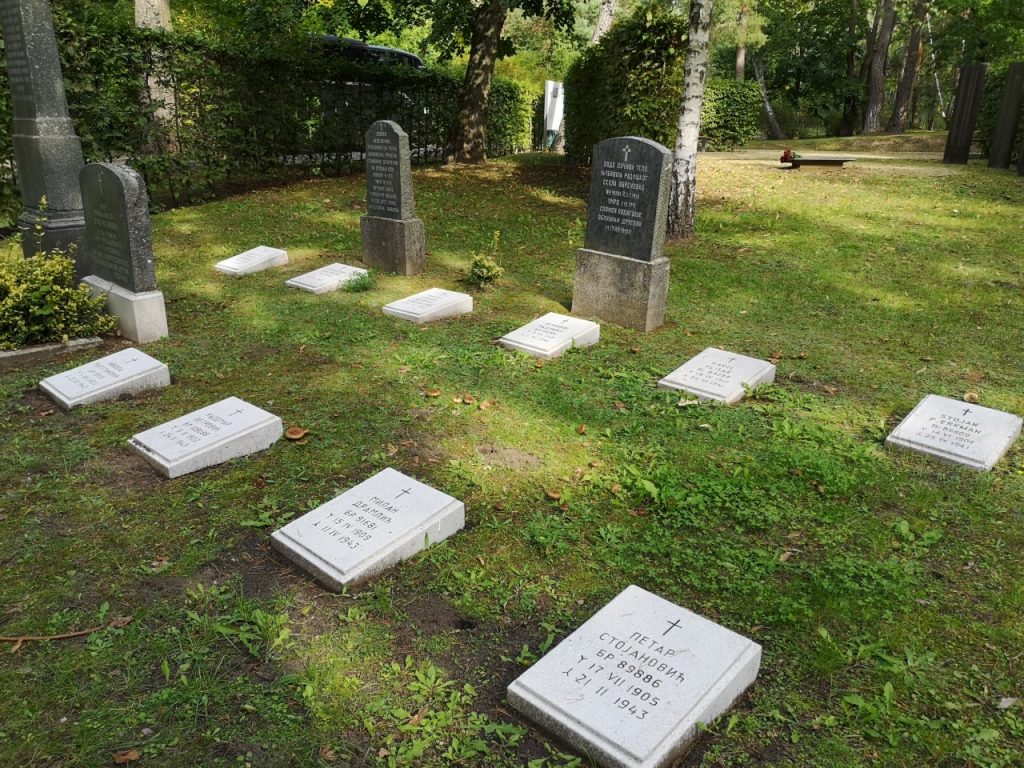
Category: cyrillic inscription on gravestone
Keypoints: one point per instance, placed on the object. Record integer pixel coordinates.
(631, 686)
(382, 521)
(715, 374)
(551, 335)
(329, 278)
(126, 372)
(388, 172)
(429, 305)
(117, 226)
(628, 198)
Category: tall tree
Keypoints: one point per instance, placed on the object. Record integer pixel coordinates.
(876, 68)
(683, 208)
(742, 23)
(911, 64)
(774, 129)
(153, 14)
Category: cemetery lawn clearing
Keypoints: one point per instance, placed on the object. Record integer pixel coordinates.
(885, 588)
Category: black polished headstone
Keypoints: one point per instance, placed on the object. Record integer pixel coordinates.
(1008, 119)
(388, 172)
(628, 207)
(117, 226)
(965, 114)
(47, 153)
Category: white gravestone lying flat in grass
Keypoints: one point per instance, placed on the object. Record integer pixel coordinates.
(550, 335)
(208, 436)
(429, 305)
(329, 278)
(715, 374)
(254, 260)
(127, 372)
(382, 521)
(631, 686)
(957, 432)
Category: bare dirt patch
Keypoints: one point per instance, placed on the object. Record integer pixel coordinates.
(506, 456)
(117, 467)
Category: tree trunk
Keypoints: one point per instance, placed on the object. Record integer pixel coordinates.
(153, 14)
(774, 129)
(848, 125)
(682, 208)
(870, 45)
(470, 145)
(876, 69)
(741, 43)
(908, 80)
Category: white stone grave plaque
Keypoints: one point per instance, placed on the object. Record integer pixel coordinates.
(631, 685)
(123, 373)
(208, 436)
(382, 521)
(550, 335)
(429, 305)
(329, 278)
(957, 432)
(254, 260)
(715, 374)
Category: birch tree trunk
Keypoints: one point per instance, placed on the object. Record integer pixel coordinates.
(741, 43)
(470, 145)
(156, 14)
(908, 80)
(682, 207)
(876, 69)
(153, 14)
(774, 129)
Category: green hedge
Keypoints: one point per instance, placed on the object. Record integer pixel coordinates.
(631, 83)
(243, 119)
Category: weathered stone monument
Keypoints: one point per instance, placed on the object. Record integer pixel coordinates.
(393, 238)
(367, 529)
(47, 153)
(119, 246)
(969, 90)
(430, 305)
(1008, 119)
(127, 372)
(631, 687)
(551, 335)
(621, 275)
(715, 374)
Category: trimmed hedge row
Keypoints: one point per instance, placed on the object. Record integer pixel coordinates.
(631, 83)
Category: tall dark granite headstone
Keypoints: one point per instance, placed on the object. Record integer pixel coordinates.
(621, 275)
(47, 153)
(965, 114)
(1008, 119)
(393, 238)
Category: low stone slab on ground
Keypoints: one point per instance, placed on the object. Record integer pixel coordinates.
(329, 278)
(835, 162)
(957, 432)
(715, 374)
(550, 335)
(369, 528)
(632, 685)
(41, 353)
(254, 260)
(206, 437)
(429, 305)
(127, 372)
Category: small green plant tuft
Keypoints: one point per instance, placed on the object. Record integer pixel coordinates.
(364, 282)
(485, 270)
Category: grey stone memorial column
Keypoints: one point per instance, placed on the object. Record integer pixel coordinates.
(621, 274)
(47, 153)
(393, 238)
(965, 114)
(1008, 118)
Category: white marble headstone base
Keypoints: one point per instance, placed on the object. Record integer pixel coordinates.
(208, 436)
(632, 684)
(550, 335)
(429, 305)
(329, 278)
(254, 260)
(127, 372)
(957, 432)
(141, 317)
(715, 374)
(369, 528)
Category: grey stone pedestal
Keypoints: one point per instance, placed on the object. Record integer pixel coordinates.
(620, 290)
(394, 245)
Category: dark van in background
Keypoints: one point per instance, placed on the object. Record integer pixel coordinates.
(364, 53)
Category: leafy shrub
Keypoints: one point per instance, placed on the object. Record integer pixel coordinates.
(485, 270)
(40, 301)
(360, 284)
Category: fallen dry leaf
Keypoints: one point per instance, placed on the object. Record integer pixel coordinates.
(595, 463)
(553, 495)
(295, 433)
(581, 429)
(499, 506)
(616, 488)
(468, 399)
(403, 369)
(327, 754)
(971, 397)
(703, 426)
(620, 406)
(635, 350)
(638, 512)
(432, 393)
(486, 404)
(457, 400)
(830, 390)
(127, 756)
(785, 556)
(687, 403)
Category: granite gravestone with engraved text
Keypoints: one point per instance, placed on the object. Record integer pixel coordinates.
(632, 686)
(393, 238)
(621, 274)
(379, 523)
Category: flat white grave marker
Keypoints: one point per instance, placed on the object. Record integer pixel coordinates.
(429, 305)
(382, 521)
(329, 278)
(631, 685)
(254, 260)
(208, 436)
(550, 335)
(123, 373)
(957, 432)
(715, 374)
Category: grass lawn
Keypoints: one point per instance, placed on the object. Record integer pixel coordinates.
(886, 589)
